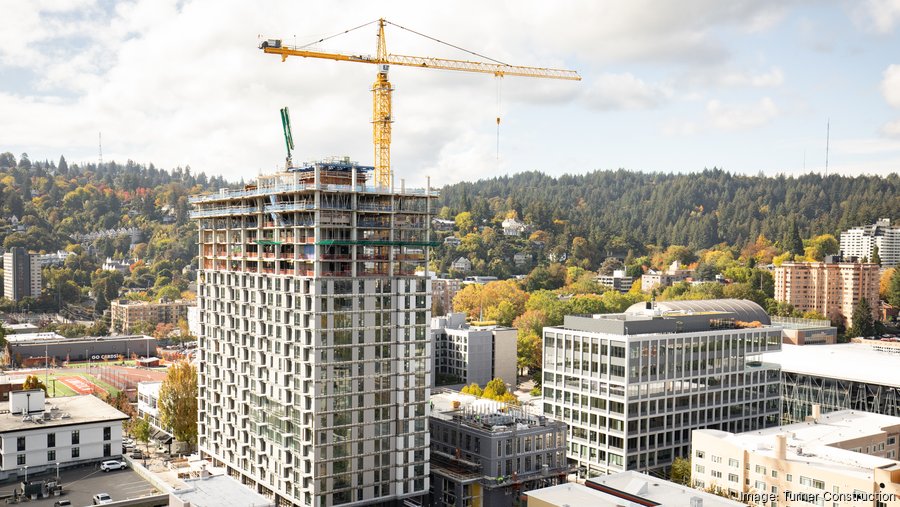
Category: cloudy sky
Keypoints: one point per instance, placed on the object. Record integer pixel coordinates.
(746, 85)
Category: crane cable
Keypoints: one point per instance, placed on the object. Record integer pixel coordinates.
(337, 34)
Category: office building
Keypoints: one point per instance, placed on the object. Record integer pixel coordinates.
(126, 314)
(21, 274)
(315, 358)
(831, 288)
(845, 376)
(465, 354)
(148, 408)
(860, 242)
(486, 453)
(618, 280)
(841, 458)
(39, 434)
(632, 386)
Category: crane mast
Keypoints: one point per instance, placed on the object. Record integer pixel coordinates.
(381, 88)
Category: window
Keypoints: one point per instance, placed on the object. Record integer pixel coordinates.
(700, 469)
(20, 444)
(76, 452)
(51, 456)
(76, 439)
(789, 477)
(760, 469)
(107, 433)
(51, 439)
(716, 459)
(760, 486)
(701, 454)
(20, 459)
(733, 463)
(106, 450)
(732, 477)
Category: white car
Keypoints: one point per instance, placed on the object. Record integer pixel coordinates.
(102, 498)
(106, 466)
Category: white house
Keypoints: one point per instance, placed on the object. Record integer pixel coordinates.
(512, 227)
(38, 434)
(452, 241)
(462, 264)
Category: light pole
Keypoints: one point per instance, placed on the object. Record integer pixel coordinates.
(57, 472)
(26, 474)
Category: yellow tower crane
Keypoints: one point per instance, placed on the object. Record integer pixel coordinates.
(381, 89)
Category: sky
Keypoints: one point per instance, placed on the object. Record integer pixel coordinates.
(749, 86)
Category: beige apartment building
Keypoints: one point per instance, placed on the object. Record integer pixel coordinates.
(125, 313)
(845, 458)
(830, 288)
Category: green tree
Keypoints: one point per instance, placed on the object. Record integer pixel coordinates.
(681, 471)
(792, 241)
(464, 222)
(863, 323)
(893, 288)
(140, 430)
(876, 259)
(178, 401)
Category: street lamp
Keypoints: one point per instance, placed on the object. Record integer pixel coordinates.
(57, 472)
(26, 474)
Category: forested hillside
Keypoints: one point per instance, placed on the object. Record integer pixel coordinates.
(617, 211)
(130, 211)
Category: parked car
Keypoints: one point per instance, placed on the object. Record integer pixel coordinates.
(102, 498)
(106, 466)
(62, 503)
(128, 442)
(137, 454)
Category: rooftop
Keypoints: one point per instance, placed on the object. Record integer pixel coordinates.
(484, 414)
(813, 442)
(219, 491)
(63, 412)
(577, 494)
(34, 337)
(674, 317)
(659, 491)
(51, 338)
(846, 361)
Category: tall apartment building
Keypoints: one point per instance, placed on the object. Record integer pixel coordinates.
(21, 274)
(486, 453)
(314, 349)
(126, 313)
(860, 242)
(831, 288)
(468, 354)
(632, 386)
(443, 290)
(842, 458)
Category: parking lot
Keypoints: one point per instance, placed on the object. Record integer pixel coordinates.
(81, 484)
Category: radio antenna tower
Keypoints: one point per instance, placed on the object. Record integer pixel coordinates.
(827, 139)
(100, 145)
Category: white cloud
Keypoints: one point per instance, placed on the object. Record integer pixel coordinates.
(625, 91)
(890, 85)
(891, 129)
(773, 77)
(880, 15)
(866, 146)
(737, 117)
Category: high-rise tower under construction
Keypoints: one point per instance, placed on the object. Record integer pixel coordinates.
(314, 348)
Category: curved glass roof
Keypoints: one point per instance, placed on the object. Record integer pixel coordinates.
(743, 309)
